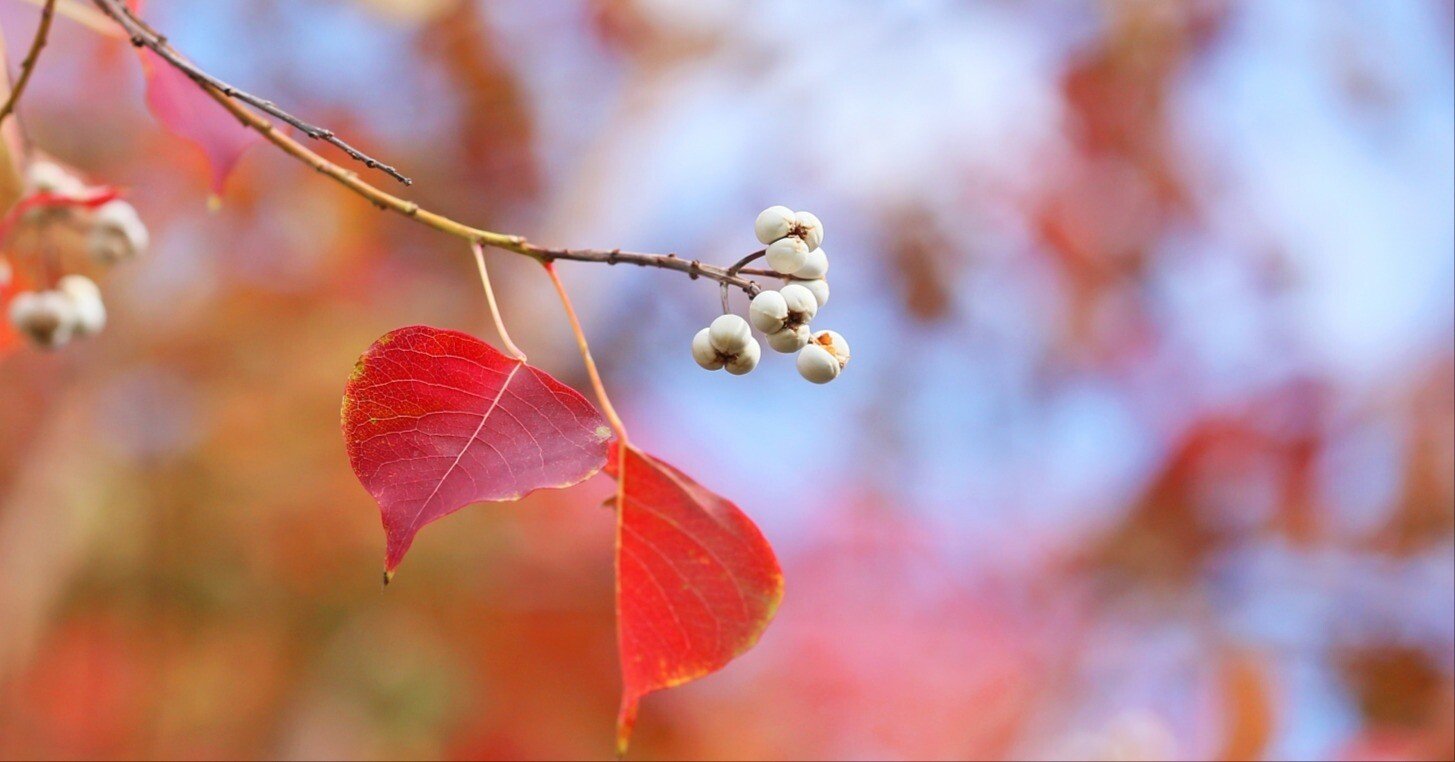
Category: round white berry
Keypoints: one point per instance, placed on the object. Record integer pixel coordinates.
(790, 339)
(802, 305)
(807, 226)
(729, 334)
(820, 289)
(817, 365)
(786, 255)
(815, 266)
(834, 344)
(767, 311)
(703, 352)
(49, 177)
(773, 223)
(117, 233)
(90, 309)
(47, 317)
(746, 359)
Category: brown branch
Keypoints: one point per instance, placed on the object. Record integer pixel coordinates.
(144, 36)
(27, 66)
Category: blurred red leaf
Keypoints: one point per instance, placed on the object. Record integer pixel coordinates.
(697, 583)
(188, 112)
(435, 420)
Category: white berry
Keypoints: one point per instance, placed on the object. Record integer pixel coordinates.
(118, 233)
(807, 226)
(815, 266)
(802, 305)
(49, 177)
(786, 255)
(47, 317)
(729, 334)
(835, 344)
(767, 311)
(703, 352)
(819, 288)
(773, 223)
(789, 339)
(90, 309)
(746, 359)
(817, 365)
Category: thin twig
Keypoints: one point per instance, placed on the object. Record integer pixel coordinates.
(27, 66)
(734, 269)
(494, 308)
(143, 36)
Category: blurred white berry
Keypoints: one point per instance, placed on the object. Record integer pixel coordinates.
(789, 339)
(118, 233)
(815, 266)
(820, 289)
(47, 317)
(807, 227)
(767, 311)
(49, 177)
(90, 309)
(786, 255)
(729, 334)
(802, 305)
(773, 223)
(746, 359)
(817, 365)
(703, 352)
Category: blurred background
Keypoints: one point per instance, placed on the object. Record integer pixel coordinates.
(1146, 450)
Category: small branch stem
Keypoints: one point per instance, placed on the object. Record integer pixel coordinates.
(27, 66)
(494, 308)
(733, 271)
(585, 349)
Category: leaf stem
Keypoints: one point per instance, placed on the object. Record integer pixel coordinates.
(494, 308)
(585, 349)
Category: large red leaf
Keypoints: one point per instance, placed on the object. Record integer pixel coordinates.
(435, 420)
(696, 581)
(188, 112)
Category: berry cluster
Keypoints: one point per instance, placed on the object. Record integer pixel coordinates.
(44, 236)
(793, 250)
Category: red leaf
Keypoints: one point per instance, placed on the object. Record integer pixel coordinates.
(188, 112)
(696, 581)
(435, 420)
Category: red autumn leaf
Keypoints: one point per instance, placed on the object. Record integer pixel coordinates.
(697, 583)
(435, 420)
(188, 112)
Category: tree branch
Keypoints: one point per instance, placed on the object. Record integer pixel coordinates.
(143, 35)
(27, 66)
